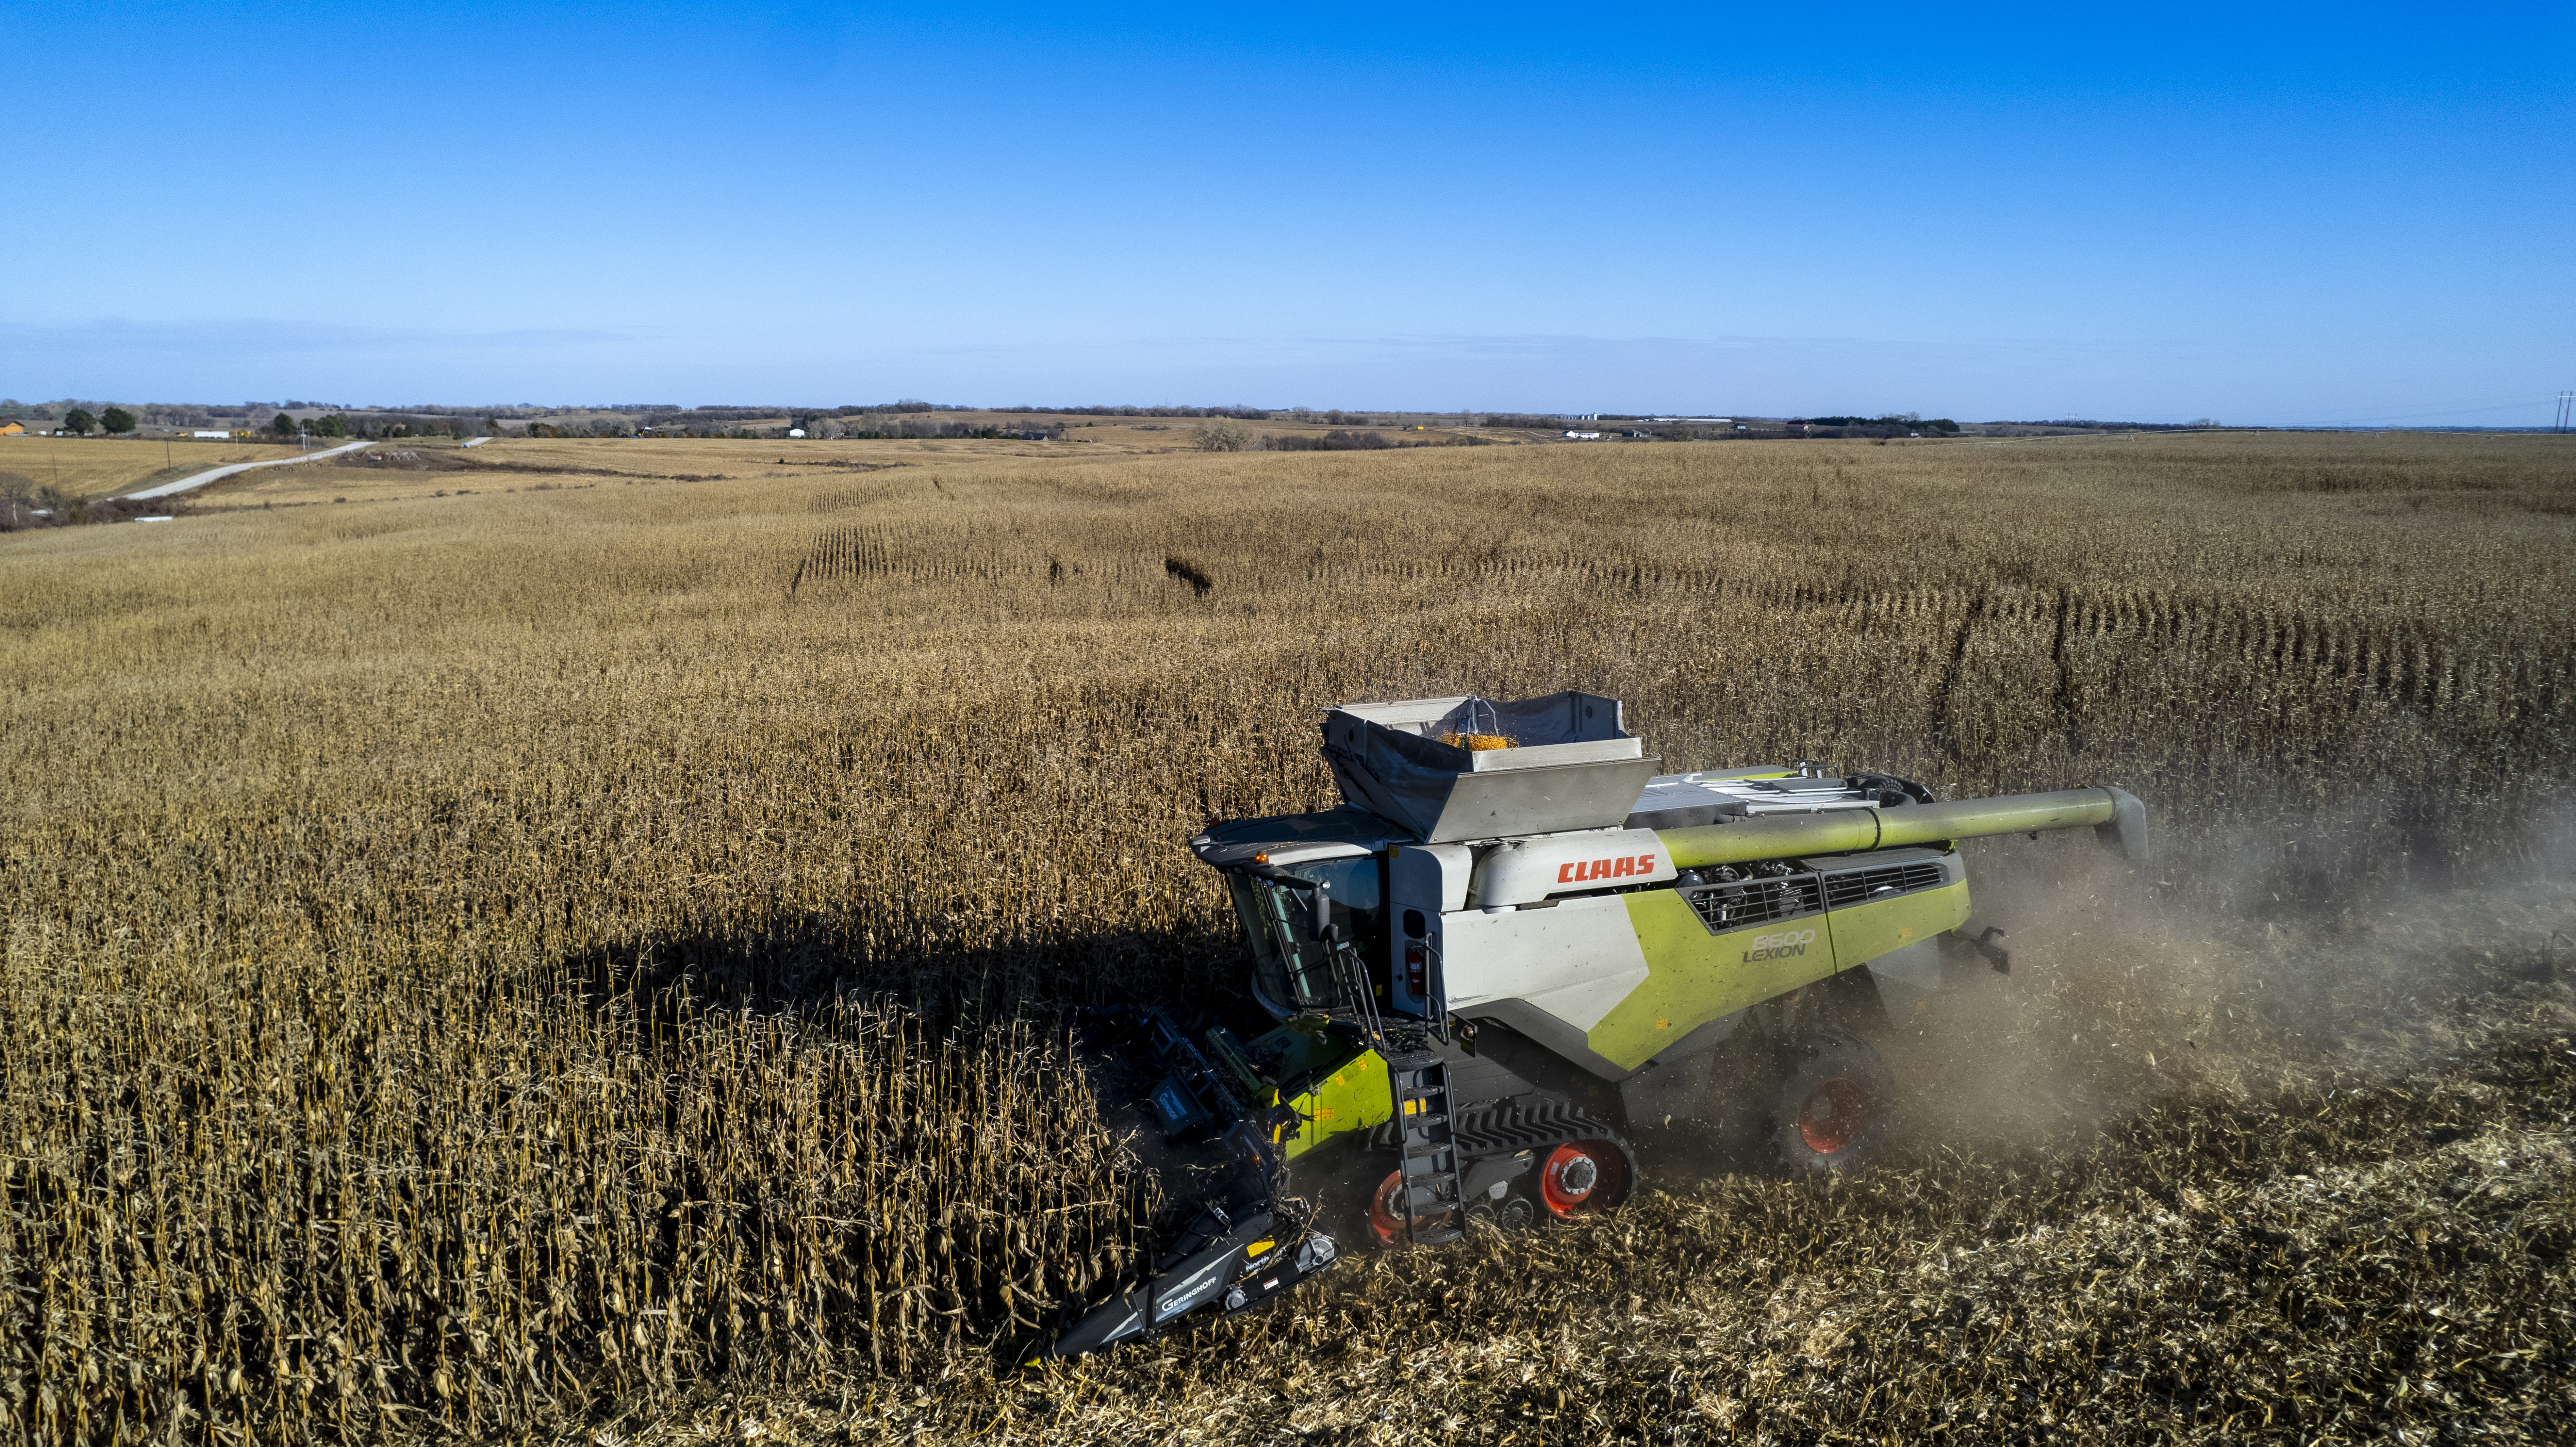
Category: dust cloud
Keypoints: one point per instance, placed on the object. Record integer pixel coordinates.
(2124, 990)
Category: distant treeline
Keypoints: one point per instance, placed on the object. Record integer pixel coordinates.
(674, 415)
(1344, 440)
(2114, 426)
(1238, 411)
(1892, 425)
(726, 420)
(1037, 432)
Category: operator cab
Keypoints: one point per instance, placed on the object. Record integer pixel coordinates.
(1383, 893)
(1276, 869)
(1291, 969)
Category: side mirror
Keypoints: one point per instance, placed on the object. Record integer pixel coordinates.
(1322, 928)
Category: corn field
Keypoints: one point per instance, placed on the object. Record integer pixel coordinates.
(539, 962)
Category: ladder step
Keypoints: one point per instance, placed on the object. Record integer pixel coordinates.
(1426, 1151)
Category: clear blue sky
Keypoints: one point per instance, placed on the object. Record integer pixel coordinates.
(2259, 214)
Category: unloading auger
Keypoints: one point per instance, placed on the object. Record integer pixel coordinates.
(1515, 949)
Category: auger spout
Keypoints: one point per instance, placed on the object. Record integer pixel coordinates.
(2117, 816)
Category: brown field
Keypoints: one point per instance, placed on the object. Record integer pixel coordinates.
(434, 467)
(592, 960)
(428, 467)
(97, 466)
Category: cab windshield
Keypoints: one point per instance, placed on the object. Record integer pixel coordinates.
(1291, 970)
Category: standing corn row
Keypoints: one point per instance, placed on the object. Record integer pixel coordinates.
(341, 1201)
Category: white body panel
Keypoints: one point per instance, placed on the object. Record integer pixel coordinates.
(1432, 877)
(1284, 855)
(1424, 882)
(1525, 871)
(1575, 960)
(1541, 756)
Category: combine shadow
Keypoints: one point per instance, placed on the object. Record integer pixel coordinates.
(661, 987)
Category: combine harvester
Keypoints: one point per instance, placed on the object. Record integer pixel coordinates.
(1515, 949)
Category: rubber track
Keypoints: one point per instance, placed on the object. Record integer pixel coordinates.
(1520, 1123)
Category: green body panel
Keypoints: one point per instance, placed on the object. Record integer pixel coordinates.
(1695, 977)
(1352, 1095)
(1335, 1083)
(1854, 831)
(1863, 932)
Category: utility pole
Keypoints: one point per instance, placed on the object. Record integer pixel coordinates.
(2566, 403)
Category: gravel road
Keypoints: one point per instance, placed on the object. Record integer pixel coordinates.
(212, 474)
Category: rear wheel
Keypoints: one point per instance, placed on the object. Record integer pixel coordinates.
(1834, 1106)
(1582, 1177)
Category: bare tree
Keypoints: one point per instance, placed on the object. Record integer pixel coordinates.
(1220, 434)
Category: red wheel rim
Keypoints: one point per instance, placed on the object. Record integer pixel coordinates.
(1581, 1177)
(1386, 1217)
(1834, 1115)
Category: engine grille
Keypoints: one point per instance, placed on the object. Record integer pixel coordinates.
(1726, 907)
(1848, 887)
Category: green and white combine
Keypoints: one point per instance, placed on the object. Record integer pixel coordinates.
(1515, 952)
